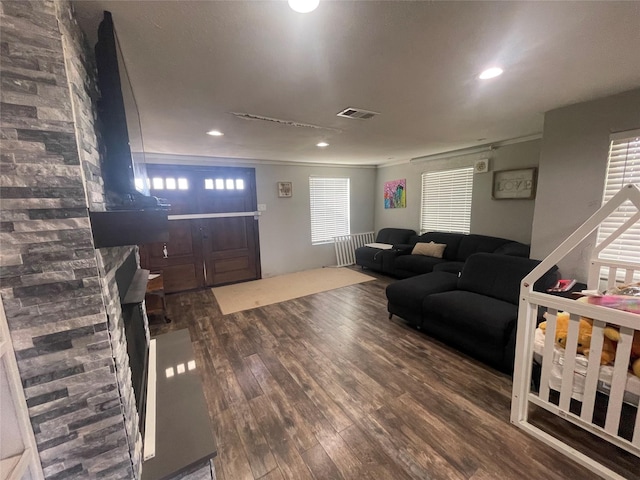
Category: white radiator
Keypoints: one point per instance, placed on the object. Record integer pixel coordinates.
(346, 246)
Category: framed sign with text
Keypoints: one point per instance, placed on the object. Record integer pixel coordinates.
(514, 184)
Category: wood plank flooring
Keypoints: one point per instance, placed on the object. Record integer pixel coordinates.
(326, 387)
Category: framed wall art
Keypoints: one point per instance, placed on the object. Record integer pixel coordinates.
(514, 184)
(285, 189)
(395, 194)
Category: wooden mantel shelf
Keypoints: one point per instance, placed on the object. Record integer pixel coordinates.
(129, 227)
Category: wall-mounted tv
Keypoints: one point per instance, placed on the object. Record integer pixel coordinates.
(132, 217)
(119, 125)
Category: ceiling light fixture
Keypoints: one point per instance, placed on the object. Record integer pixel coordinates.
(215, 133)
(322, 144)
(490, 73)
(303, 6)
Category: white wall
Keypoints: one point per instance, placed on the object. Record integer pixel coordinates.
(285, 227)
(510, 219)
(573, 166)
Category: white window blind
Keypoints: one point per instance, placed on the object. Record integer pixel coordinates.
(623, 168)
(446, 200)
(329, 208)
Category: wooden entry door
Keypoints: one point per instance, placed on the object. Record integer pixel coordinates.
(179, 260)
(229, 249)
(213, 230)
(230, 241)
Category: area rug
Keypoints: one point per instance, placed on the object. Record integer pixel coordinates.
(243, 296)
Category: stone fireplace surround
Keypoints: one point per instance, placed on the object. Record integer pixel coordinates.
(60, 294)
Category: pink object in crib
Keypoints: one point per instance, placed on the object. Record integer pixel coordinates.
(619, 302)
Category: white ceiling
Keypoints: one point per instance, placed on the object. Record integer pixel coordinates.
(416, 63)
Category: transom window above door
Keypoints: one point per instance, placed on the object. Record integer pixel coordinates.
(168, 183)
(224, 184)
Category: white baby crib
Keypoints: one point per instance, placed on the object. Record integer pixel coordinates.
(616, 383)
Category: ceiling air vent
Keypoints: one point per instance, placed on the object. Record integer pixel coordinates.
(357, 113)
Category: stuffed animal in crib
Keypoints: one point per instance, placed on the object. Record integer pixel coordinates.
(634, 362)
(629, 292)
(585, 330)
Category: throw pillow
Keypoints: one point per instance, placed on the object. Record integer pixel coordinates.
(430, 249)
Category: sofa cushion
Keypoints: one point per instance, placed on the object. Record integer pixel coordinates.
(515, 249)
(430, 249)
(403, 247)
(498, 276)
(470, 244)
(411, 292)
(486, 321)
(450, 267)
(452, 240)
(416, 264)
(394, 235)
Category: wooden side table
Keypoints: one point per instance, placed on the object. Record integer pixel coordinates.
(154, 299)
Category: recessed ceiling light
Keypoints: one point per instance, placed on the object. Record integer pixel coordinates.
(490, 73)
(322, 144)
(215, 133)
(303, 6)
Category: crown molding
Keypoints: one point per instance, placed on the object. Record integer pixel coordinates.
(171, 159)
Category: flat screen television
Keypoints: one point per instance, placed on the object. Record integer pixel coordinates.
(132, 216)
(124, 174)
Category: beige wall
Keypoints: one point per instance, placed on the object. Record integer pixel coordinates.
(285, 226)
(501, 218)
(573, 165)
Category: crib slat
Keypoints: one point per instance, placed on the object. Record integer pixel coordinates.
(351, 251)
(569, 363)
(593, 371)
(547, 356)
(345, 247)
(628, 276)
(593, 282)
(636, 431)
(619, 381)
(611, 277)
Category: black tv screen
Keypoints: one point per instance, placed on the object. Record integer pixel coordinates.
(117, 166)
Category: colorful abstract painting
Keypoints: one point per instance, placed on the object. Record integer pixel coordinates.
(395, 194)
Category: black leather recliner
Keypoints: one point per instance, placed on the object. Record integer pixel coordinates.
(375, 258)
(477, 312)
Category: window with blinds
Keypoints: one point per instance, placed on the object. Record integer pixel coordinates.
(329, 208)
(623, 168)
(446, 200)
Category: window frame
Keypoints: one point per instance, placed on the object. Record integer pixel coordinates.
(340, 203)
(445, 181)
(623, 167)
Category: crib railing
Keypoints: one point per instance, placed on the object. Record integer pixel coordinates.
(586, 411)
(579, 413)
(346, 245)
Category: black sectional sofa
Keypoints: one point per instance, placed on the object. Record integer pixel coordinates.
(476, 312)
(399, 262)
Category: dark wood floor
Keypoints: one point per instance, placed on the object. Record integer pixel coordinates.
(326, 387)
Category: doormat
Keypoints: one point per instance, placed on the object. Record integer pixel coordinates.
(258, 293)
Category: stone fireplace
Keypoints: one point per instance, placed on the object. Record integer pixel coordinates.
(61, 295)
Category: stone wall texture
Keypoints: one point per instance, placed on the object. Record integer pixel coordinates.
(60, 296)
